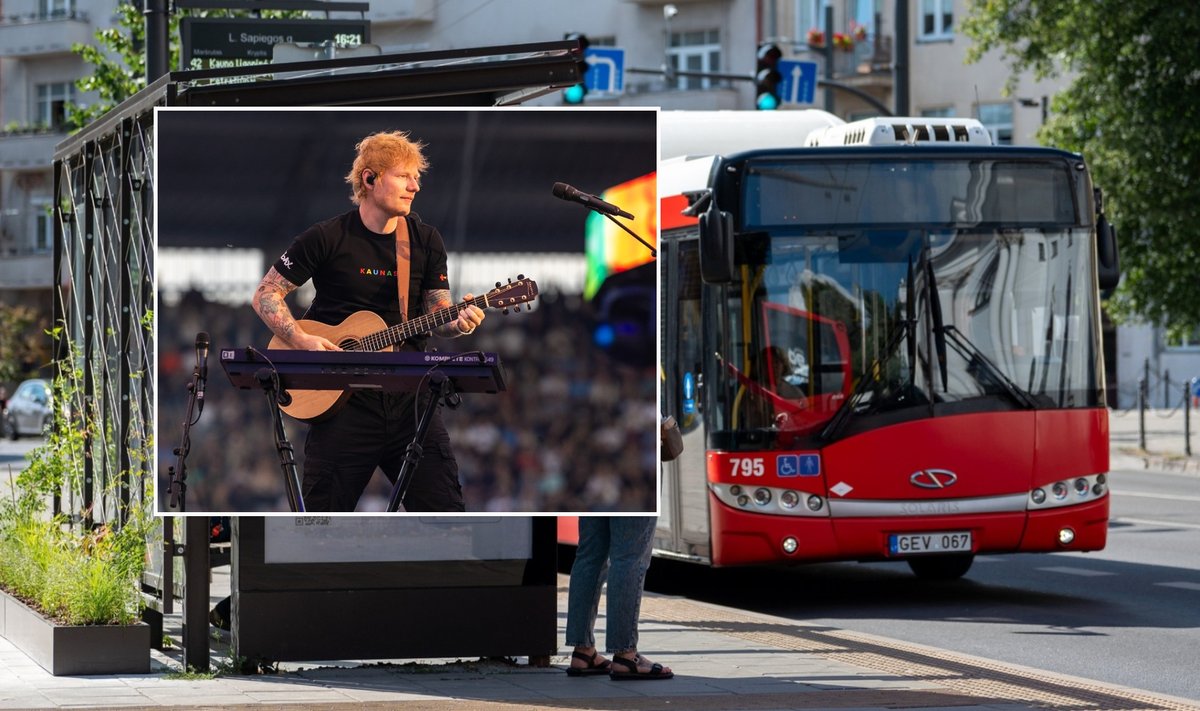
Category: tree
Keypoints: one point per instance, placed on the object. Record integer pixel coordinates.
(24, 345)
(1133, 111)
(119, 60)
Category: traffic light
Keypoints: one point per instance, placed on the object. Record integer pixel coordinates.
(767, 77)
(575, 94)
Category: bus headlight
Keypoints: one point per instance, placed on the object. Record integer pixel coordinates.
(789, 499)
(762, 496)
(1087, 490)
(814, 503)
(1066, 536)
(790, 545)
(743, 500)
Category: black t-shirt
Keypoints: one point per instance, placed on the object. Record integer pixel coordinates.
(354, 269)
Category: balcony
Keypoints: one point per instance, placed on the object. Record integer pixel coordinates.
(26, 270)
(24, 36)
(868, 64)
(403, 12)
(28, 150)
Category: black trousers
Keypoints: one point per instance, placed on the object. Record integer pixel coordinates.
(373, 430)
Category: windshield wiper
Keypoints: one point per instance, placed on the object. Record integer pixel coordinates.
(905, 328)
(935, 313)
(976, 358)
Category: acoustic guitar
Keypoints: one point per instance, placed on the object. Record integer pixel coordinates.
(366, 331)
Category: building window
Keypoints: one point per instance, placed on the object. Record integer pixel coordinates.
(862, 15)
(51, 105)
(937, 19)
(56, 8)
(998, 120)
(43, 235)
(809, 16)
(697, 51)
(939, 112)
(1182, 339)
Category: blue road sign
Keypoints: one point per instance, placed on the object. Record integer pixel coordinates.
(606, 73)
(799, 81)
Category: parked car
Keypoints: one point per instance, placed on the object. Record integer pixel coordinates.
(29, 409)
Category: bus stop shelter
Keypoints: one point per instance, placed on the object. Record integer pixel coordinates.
(104, 182)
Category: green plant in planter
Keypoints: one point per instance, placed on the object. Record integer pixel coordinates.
(75, 575)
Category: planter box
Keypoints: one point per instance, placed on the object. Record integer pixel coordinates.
(65, 650)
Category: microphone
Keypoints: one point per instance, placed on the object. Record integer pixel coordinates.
(562, 191)
(201, 364)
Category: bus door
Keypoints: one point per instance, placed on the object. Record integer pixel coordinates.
(683, 525)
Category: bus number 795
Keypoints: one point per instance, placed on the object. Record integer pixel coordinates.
(746, 466)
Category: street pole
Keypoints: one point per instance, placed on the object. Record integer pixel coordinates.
(828, 57)
(900, 59)
(1187, 418)
(157, 42)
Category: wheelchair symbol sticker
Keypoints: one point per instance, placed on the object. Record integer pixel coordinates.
(789, 465)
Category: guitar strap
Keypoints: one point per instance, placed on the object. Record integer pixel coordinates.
(403, 263)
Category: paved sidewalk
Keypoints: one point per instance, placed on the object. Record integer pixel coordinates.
(1162, 432)
(723, 659)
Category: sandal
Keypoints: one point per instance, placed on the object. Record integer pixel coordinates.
(657, 671)
(593, 667)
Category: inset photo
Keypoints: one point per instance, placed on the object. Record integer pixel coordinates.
(406, 310)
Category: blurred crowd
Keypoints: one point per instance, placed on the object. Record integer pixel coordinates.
(574, 431)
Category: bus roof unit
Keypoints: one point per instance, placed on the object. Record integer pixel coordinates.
(899, 131)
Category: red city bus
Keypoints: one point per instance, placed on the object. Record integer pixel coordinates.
(882, 343)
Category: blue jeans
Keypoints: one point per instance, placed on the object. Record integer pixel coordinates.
(618, 548)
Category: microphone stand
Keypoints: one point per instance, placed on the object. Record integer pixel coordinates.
(178, 473)
(618, 223)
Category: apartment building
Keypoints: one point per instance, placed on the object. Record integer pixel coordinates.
(37, 79)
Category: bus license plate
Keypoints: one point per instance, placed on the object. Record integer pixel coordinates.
(939, 542)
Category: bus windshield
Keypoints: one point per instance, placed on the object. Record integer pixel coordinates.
(859, 307)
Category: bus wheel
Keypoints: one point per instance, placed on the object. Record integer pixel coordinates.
(941, 567)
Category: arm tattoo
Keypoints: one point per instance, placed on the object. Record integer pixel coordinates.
(268, 303)
(440, 299)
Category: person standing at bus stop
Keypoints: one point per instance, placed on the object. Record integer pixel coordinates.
(616, 548)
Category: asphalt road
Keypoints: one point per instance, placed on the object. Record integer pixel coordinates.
(12, 458)
(1128, 615)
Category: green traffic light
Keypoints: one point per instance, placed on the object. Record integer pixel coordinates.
(574, 94)
(767, 102)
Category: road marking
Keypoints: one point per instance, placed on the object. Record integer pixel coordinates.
(1076, 571)
(1182, 585)
(1143, 495)
(1150, 522)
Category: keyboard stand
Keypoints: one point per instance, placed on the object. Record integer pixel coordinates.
(291, 478)
(440, 387)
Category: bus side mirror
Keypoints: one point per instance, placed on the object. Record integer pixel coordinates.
(716, 245)
(1108, 265)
